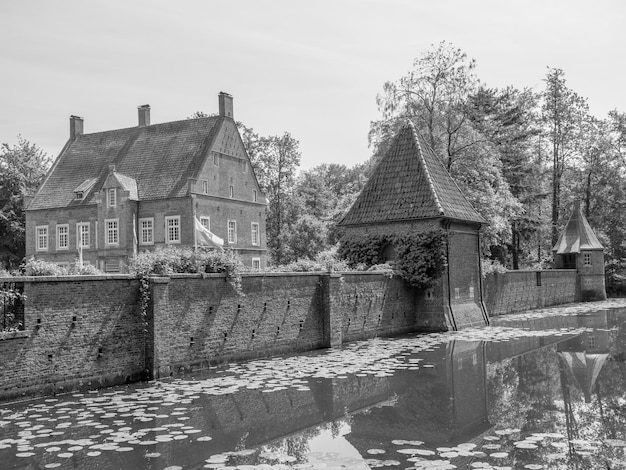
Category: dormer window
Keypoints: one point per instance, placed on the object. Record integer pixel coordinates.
(111, 197)
(83, 189)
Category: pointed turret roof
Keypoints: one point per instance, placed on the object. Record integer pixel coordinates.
(410, 182)
(577, 235)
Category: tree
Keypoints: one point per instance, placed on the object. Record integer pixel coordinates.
(507, 118)
(22, 169)
(435, 95)
(563, 114)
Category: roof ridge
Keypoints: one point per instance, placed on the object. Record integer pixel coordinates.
(429, 177)
(151, 125)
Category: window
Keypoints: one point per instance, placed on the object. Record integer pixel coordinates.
(232, 191)
(172, 229)
(82, 234)
(457, 293)
(255, 233)
(256, 264)
(79, 194)
(112, 232)
(471, 292)
(111, 197)
(587, 259)
(216, 159)
(146, 231)
(232, 231)
(205, 186)
(206, 223)
(63, 242)
(41, 243)
(254, 195)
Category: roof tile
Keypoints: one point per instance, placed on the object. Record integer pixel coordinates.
(410, 182)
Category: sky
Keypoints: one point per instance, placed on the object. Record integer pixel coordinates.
(310, 68)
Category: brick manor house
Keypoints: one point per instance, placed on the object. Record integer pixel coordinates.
(111, 194)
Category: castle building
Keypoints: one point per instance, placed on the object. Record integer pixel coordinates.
(410, 191)
(111, 194)
(579, 248)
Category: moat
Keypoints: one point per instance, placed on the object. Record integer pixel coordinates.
(545, 389)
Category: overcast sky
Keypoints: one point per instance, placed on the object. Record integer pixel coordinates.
(312, 68)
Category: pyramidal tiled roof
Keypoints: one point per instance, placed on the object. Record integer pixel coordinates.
(159, 157)
(410, 182)
(577, 235)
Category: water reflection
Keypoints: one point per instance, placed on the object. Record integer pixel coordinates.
(532, 391)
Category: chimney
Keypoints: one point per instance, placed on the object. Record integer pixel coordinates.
(226, 104)
(144, 115)
(76, 126)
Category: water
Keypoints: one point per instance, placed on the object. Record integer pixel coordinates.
(529, 392)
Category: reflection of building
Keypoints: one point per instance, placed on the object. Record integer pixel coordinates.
(411, 192)
(443, 405)
(579, 248)
(583, 356)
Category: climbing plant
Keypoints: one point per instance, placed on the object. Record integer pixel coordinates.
(420, 257)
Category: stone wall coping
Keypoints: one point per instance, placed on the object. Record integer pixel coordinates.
(77, 277)
(14, 335)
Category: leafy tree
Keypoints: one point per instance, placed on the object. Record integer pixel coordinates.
(507, 118)
(436, 95)
(564, 113)
(22, 169)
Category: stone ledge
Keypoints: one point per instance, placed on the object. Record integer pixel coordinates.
(14, 335)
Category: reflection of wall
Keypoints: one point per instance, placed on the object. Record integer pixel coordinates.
(445, 404)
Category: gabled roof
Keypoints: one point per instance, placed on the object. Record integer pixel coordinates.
(577, 235)
(410, 182)
(128, 184)
(160, 158)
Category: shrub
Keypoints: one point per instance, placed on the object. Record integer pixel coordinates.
(173, 260)
(489, 266)
(323, 262)
(38, 267)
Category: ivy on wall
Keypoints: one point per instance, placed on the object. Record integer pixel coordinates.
(420, 258)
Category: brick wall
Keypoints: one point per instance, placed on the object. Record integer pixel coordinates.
(88, 331)
(515, 291)
(78, 333)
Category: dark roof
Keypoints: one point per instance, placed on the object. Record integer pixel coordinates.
(410, 182)
(160, 158)
(577, 235)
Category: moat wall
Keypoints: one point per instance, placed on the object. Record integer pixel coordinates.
(89, 331)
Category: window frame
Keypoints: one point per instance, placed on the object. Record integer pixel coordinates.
(205, 186)
(256, 260)
(254, 242)
(254, 195)
(231, 192)
(65, 236)
(111, 201)
(216, 159)
(143, 231)
(79, 234)
(107, 232)
(587, 259)
(208, 224)
(233, 240)
(38, 237)
(177, 228)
